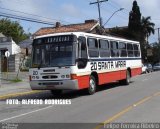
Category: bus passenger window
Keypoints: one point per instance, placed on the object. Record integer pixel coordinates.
(93, 47)
(122, 49)
(104, 48)
(82, 47)
(130, 50)
(136, 50)
(114, 49)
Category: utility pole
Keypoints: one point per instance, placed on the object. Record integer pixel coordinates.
(0, 69)
(158, 34)
(158, 43)
(99, 10)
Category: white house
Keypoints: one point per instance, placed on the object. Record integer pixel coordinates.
(7, 44)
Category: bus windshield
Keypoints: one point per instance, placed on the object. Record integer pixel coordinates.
(53, 54)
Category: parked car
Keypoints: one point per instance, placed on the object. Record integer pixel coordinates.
(156, 67)
(144, 68)
(149, 68)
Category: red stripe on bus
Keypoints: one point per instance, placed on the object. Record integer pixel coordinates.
(111, 76)
(83, 81)
(136, 71)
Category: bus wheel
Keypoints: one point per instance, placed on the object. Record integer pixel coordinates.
(127, 80)
(92, 85)
(56, 92)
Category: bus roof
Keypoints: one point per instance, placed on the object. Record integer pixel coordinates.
(88, 34)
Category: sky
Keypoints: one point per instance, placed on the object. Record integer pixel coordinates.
(77, 11)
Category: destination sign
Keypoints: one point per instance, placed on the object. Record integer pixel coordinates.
(103, 65)
(55, 39)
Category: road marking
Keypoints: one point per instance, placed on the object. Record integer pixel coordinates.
(116, 116)
(157, 94)
(143, 101)
(18, 94)
(26, 113)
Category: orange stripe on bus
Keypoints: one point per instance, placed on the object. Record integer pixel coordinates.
(103, 78)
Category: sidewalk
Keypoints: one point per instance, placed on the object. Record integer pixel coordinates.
(8, 87)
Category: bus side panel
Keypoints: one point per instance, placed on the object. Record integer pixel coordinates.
(102, 78)
(83, 81)
(123, 75)
(109, 77)
(136, 71)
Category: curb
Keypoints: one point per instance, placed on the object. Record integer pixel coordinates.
(18, 94)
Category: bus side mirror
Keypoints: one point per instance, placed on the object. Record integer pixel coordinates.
(81, 62)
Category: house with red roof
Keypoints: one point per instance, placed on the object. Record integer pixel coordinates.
(89, 26)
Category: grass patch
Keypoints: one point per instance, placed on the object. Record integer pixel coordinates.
(16, 80)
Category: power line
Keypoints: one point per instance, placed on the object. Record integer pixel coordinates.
(29, 19)
(30, 14)
(25, 18)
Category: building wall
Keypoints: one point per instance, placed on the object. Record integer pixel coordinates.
(7, 44)
(13, 63)
(15, 48)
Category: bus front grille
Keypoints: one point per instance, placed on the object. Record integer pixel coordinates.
(50, 83)
(50, 77)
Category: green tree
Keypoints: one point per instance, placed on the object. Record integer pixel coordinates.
(121, 32)
(140, 28)
(147, 27)
(155, 58)
(134, 24)
(12, 29)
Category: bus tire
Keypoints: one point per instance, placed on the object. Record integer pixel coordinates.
(92, 85)
(56, 92)
(127, 80)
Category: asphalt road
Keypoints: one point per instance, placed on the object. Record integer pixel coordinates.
(138, 102)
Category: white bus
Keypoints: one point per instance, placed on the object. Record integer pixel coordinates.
(78, 60)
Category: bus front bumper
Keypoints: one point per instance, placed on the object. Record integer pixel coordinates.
(51, 85)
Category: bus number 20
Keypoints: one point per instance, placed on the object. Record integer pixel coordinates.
(35, 72)
(93, 66)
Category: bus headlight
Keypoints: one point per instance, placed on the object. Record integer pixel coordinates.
(67, 76)
(37, 77)
(33, 77)
(63, 76)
